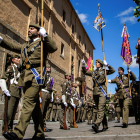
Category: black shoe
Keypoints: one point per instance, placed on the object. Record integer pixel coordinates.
(6, 135)
(64, 129)
(71, 126)
(125, 125)
(104, 129)
(95, 127)
(47, 130)
(38, 138)
(13, 136)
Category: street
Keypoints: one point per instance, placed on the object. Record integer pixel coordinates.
(85, 132)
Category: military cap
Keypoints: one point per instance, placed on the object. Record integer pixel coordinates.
(14, 56)
(66, 74)
(48, 65)
(34, 25)
(121, 68)
(100, 61)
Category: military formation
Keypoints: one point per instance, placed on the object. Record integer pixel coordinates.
(42, 102)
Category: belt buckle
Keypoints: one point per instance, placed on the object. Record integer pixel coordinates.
(28, 66)
(96, 85)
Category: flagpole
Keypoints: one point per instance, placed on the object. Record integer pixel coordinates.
(129, 81)
(103, 51)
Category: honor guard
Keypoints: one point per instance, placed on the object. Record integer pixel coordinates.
(47, 94)
(123, 93)
(14, 93)
(99, 91)
(30, 78)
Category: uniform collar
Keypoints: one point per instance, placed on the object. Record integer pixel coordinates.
(15, 65)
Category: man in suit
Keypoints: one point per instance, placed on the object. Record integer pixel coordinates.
(30, 80)
(99, 79)
(12, 73)
(122, 82)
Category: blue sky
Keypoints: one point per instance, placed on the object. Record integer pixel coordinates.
(115, 14)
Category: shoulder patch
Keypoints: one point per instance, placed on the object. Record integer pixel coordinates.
(7, 70)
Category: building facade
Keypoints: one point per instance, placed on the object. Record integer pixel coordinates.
(61, 23)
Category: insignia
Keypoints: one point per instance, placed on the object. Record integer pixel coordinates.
(100, 72)
(26, 59)
(8, 70)
(32, 50)
(125, 78)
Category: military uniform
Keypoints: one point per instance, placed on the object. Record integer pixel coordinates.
(13, 73)
(117, 109)
(123, 95)
(110, 113)
(90, 109)
(94, 114)
(46, 97)
(98, 96)
(31, 104)
(66, 90)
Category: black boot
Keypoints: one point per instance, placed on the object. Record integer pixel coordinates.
(95, 127)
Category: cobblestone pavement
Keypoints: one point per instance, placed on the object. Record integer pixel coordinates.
(85, 132)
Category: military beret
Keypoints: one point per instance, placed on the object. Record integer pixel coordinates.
(121, 69)
(48, 65)
(34, 25)
(14, 56)
(100, 61)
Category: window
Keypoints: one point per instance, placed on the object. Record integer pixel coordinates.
(79, 39)
(73, 29)
(62, 49)
(64, 16)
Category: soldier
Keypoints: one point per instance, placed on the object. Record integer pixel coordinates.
(30, 78)
(66, 93)
(85, 110)
(99, 80)
(110, 112)
(90, 108)
(117, 109)
(12, 73)
(46, 94)
(94, 114)
(122, 82)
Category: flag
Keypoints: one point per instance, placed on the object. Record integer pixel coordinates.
(99, 22)
(91, 65)
(88, 63)
(125, 51)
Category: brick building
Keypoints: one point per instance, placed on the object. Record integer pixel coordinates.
(61, 23)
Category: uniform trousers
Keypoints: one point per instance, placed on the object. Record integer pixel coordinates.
(89, 115)
(100, 102)
(31, 108)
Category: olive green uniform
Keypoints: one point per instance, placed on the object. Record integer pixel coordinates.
(98, 96)
(31, 104)
(123, 95)
(110, 113)
(90, 109)
(46, 97)
(65, 88)
(117, 109)
(94, 114)
(15, 92)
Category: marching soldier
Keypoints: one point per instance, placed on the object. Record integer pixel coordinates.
(46, 95)
(66, 93)
(117, 109)
(99, 92)
(122, 82)
(30, 78)
(90, 108)
(14, 91)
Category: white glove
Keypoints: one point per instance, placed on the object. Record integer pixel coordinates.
(1, 39)
(7, 93)
(109, 81)
(83, 63)
(40, 100)
(128, 70)
(73, 105)
(105, 63)
(66, 105)
(42, 32)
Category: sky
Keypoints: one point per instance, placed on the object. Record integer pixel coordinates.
(115, 14)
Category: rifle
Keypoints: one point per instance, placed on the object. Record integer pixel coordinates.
(65, 125)
(6, 109)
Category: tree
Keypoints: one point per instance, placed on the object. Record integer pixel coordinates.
(137, 9)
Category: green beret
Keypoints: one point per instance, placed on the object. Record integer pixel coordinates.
(48, 65)
(100, 61)
(34, 25)
(121, 69)
(14, 56)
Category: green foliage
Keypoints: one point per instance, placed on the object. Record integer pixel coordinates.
(137, 9)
